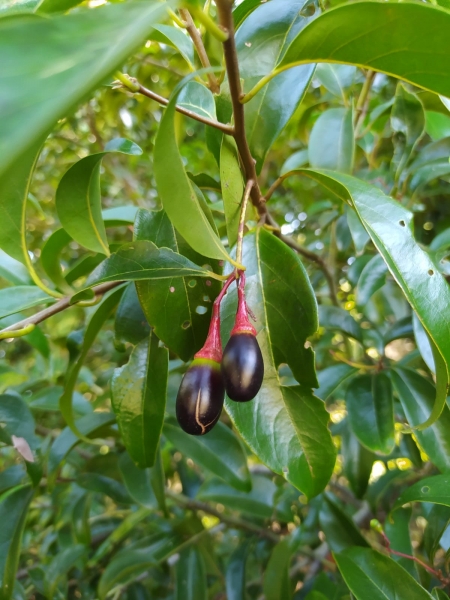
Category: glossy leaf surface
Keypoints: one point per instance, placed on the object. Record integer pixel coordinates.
(367, 34)
(191, 581)
(139, 399)
(303, 449)
(431, 489)
(372, 278)
(16, 299)
(55, 85)
(331, 143)
(339, 529)
(232, 187)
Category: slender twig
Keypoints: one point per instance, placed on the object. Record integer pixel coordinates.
(135, 87)
(58, 307)
(198, 43)
(224, 9)
(228, 519)
(312, 256)
(363, 101)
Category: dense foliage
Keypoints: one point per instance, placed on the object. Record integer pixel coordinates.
(121, 196)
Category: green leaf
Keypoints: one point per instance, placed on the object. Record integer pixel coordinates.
(178, 196)
(416, 395)
(277, 582)
(408, 120)
(242, 10)
(358, 462)
(332, 141)
(220, 452)
(438, 520)
(16, 419)
(52, 6)
(119, 215)
(232, 187)
(130, 562)
(235, 572)
(292, 437)
(48, 399)
(397, 531)
(13, 271)
(176, 38)
(12, 477)
(439, 594)
(423, 343)
(196, 97)
(130, 324)
(431, 489)
(331, 378)
(336, 78)
(90, 424)
(60, 74)
(96, 322)
(390, 228)
(191, 583)
(370, 574)
(372, 278)
(78, 199)
(13, 7)
(437, 124)
(106, 486)
(374, 40)
(335, 318)
(370, 409)
(13, 512)
(179, 308)
(140, 260)
(50, 258)
(340, 531)
(261, 41)
(59, 566)
(137, 481)
(139, 399)
(359, 235)
(20, 297)
(259, 502)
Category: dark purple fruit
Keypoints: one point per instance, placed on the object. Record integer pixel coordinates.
(242, 367)
(200, 397)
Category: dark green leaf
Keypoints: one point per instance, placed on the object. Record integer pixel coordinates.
(55, 85)
(59, 566)
(78, 199)
(423, 343)
(261, 42)
(370, 574)
(232, 187)
(335, 318)
(438, 520)
(50, 258)
(277, 582)
(235, 572)
(416, 395)
(372, 278)
(48, 399)
(220, 452)
(371, 411)
(358, 462)
(20, 297)
(198, 99)
(130, 324)
(104, 485)
(139, 399)
(439, 594)
(191, 581)
(397, 531)
(292, 437)
(332, 142)
(16, 419)
(179, 309)
(12, 477)
(331, 378)
(373, 40)
(137, 481)
(431, 489)
(408, 120)
(339, 529)
(13, 512)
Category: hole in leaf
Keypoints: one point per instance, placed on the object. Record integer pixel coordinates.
(201, 310)
(402, 223)
(430, 272)
(192, 283)
(186, 325)
(425, 489)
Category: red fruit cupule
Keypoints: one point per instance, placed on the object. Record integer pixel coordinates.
(242, 323)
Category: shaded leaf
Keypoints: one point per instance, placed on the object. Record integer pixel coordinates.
(331, 143)
(191, 583)
(372, 278)
(339, 529)
(333, 317)
(20, 297)
(430, 489)
(277, 582)
(232, 187)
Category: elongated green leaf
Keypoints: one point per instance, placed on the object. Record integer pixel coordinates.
(333, 317)
(12, 477)
(88, 425)
(167, 34)
(137, 481)
(367, 34)
(372, 278)
(60, 71)
(397, 531)
(59, 566)
(50, 258)
(139, 399)
(358, 462)
(13, 512)
(12, 270)
(78, 200)
(261, 42)
(96, 322)
(21, 297)
(437, 522)
(390, 228)
(416, 395)
(332, 141)
(423, 344)
(336, 78)
(370, 574)
(277, 583)
(191, 581)
(16, 419)
(339, 529)
(439, 594)
(140, 260)
(232, 187)
(431, 489)
(196, 97)
(130, 324)
(291, 435)
(178, 196)
(220, 452)
(178, 308)
(235, 572)
(371, 411)
(107, 486)
(408, 122)
(331, 378)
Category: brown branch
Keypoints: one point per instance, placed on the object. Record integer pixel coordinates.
(312, 256)
(231, 61)
(198, 43)
(58, 307)
(228, 519)
(227, 129)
